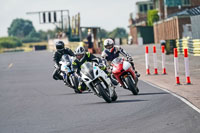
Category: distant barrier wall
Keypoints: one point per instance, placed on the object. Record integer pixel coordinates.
(195, 26)
(193, 46)
(170, 29)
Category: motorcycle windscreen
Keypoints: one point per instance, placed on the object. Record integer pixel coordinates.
(65, 58)
(117, 61)
(87, 69)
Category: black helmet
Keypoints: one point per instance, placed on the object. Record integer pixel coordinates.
(60, 45)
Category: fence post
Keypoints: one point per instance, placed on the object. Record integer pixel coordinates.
(163, 60)
(176, 66)
(155, 60)
(186, 60)
(147, 60)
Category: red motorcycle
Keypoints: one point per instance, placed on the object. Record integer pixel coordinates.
(125, 75)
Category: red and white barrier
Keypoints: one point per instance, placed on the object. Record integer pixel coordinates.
(163, 60)
(176, 66)
(155, 60)
(187, 72)
(147, 60)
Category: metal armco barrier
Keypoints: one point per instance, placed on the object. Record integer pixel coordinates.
(193, 46)
(40, 47)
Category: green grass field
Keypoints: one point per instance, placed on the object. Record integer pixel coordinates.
(26, 47)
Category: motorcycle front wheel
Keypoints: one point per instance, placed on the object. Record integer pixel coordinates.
(76, 82)
(104, 93)
(131, 86)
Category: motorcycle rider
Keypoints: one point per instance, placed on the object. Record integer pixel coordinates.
(61, 50)
(112, 51)
(81, 57)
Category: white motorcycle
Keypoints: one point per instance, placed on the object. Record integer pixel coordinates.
(68, 74)
(98, 81)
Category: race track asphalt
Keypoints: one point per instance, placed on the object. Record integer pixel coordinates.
(32, 102)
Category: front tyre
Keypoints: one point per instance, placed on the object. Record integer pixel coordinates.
(131, 86)
(76, 82)
(104, 93)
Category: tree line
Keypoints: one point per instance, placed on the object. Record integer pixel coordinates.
(23, 31)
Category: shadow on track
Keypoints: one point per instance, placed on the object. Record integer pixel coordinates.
(156, 93)
(118, 101)
(128, 101)
(84, 93)
(144, 94)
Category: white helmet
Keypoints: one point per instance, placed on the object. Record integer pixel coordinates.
(108, 43)
(80, 52)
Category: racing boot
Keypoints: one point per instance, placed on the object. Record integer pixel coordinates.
(82, 87)
(137, 74)
(79, 88)
(67, 84)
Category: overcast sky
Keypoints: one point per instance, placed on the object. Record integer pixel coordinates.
(107, 14)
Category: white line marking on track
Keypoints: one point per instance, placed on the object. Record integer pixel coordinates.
(179, 97)
(10, 65)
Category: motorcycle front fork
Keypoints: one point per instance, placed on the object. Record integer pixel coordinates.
(125, 85)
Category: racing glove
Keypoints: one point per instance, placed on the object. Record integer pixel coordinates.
(129, 58)
(102, 66)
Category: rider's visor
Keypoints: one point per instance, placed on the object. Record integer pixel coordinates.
(79, 56)
(109, 46)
